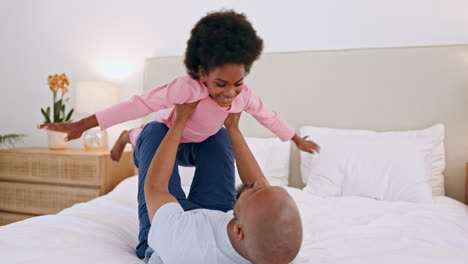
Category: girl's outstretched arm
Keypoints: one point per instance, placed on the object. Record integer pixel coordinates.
(181, 90)
(273, 121)
(267, 117)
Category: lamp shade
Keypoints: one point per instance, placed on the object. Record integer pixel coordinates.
(92, 96)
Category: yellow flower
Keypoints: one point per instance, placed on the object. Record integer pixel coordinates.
(58, 82)
(65, 79)
(54, 88)
(53, 83)
(52, 80)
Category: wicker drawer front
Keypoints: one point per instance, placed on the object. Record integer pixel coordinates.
(50, 168)
(41, 199)
(8, 218)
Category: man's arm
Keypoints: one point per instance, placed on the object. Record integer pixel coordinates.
(161, 167)
(247, 166)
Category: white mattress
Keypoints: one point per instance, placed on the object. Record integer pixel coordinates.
(338, 230)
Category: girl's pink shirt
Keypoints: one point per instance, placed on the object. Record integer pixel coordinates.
(207, 119)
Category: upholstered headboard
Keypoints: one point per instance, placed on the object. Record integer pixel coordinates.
(379, 89)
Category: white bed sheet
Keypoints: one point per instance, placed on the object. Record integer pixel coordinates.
(336, 230)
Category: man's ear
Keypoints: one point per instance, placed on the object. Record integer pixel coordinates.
(201, 73)
(238, 231)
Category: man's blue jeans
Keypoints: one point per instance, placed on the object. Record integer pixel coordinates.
(213, 185)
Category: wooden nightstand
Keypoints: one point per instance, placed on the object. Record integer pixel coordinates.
(37, 181)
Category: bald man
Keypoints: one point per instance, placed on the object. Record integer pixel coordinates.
(264, 227)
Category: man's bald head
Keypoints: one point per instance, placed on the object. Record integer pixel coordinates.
(271, 224)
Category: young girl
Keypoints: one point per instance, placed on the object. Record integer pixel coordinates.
(220, 52)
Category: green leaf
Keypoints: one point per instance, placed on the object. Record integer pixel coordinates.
(69, 115)
(57, 110)
(58, 104)
(62, 113)
(10, 139)
(46, 115)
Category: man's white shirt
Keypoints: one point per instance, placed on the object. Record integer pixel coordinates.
(196, 236)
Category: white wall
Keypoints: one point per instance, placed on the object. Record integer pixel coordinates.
(108, 40)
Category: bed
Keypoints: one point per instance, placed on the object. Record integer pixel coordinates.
(337, 230)
(376, 89)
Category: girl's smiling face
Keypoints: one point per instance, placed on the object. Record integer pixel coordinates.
(224, 82)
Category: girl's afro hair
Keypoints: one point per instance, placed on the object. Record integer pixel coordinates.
(220, 38)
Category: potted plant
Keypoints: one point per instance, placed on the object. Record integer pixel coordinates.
(10, 139)
(58, 84)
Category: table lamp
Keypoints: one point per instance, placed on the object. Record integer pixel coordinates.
(92, 96)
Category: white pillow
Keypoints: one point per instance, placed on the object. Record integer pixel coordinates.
(389, 165)
(271, 154)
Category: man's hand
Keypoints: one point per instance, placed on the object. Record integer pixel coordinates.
(232, 121)
(185, 111)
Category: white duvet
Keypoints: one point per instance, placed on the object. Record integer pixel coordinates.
(336, 230)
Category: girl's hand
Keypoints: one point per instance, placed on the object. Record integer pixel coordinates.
(74, 130)
(306, 145)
